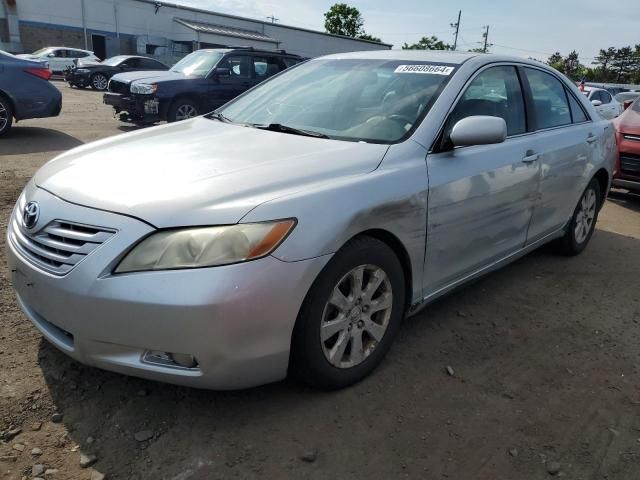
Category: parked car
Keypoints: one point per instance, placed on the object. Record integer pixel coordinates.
(293, 229)
(604, 102)
(626, 98)
(97, 75)
(627, 172)
(59, 58)
(199, 83)
(25, 91)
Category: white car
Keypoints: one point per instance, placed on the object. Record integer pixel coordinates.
(604, 102)
(60, 58)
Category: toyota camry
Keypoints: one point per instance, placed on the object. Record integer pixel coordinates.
(291, 230)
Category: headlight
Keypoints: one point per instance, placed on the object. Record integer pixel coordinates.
(205, 247)
(82, 70)
(144, 88)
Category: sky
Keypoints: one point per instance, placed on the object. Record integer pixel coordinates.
(532, 28)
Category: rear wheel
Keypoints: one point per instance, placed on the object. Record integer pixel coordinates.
(182, 109)
(6, 115)
(583, 222)
(99, 82)
(350, 316)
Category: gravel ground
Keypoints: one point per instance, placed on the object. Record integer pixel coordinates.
(529, 373)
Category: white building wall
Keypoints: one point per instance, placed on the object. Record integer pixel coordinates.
(131, 17)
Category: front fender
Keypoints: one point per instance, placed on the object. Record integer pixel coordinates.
(392, 198)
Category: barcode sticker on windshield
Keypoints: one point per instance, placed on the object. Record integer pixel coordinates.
(428, 69)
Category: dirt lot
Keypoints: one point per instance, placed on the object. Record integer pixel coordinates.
(545, 354)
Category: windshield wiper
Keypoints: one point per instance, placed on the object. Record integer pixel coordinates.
(278, 127)
(219, 116)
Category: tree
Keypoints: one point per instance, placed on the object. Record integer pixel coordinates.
(342, 19)
(556, 61)
(479, 50)
(624, 63)
(603, 60)
(572, 66)
(428, 43)
(366, 36)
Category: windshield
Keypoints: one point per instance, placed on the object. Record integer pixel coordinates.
(41, 51)
(113, 61)
(198, 63)
(349, 99)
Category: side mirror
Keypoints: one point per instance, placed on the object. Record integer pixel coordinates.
(221, 72)
(51, 55)
(626, 104)
(478, 130)
(596, 103)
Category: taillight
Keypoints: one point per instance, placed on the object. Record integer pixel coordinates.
(43, 73)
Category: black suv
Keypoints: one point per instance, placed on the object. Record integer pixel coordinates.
(199, 83)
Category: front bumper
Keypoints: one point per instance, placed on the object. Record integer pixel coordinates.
(72, 77)
(236, 320)
(135, 108)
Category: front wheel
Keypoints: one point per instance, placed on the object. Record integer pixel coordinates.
(350, 316)
(99, 82)
(182, 109)
(6, 115)
(583, 222)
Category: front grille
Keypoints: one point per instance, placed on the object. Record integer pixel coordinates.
(59, 246)
(118, 87)
(630, 163)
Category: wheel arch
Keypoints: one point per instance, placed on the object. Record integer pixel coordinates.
(602, 176)
(6, 97)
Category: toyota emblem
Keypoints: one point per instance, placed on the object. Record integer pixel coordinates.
(30, 214)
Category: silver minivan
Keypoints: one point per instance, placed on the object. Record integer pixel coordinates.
(290, 231)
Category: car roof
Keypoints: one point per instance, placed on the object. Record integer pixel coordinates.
(248, 50)
(443, 56)
(69, 48)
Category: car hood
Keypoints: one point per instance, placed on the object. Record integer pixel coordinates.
(154, 76)
(628, 122)
(200, 171)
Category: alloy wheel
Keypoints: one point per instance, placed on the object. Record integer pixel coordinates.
(4, 116)
(100, 82)
(356, 316)
(586, 215)
(186, 111)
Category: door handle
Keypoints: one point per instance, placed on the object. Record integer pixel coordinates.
(591, 138)
(530, 157)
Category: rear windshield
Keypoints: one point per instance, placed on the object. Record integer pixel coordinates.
(347, 99)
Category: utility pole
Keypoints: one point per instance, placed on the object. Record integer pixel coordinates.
(457, 27)
(272, 18)
(486, 39)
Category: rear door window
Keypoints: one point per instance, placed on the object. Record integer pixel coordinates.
(549, 99)
(577, 112)
(265, 67)
(495, 92)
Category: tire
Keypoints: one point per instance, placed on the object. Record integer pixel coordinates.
(583, 222)
(99, 81)
(182, 109)
(314, 340)
(6, 115)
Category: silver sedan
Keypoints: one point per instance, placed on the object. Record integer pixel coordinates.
(291, 231)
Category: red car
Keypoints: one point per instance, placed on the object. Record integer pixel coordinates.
(627, 171)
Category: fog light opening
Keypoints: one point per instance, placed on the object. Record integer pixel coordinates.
(170, 359)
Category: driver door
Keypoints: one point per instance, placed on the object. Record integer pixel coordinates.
(481, 198)
(224, 87)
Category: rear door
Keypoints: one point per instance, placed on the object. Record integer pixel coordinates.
(565, 137)
(481, 197)
(264, 67)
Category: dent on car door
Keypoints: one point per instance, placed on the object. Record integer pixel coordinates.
(563, 142)
(480, 197)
